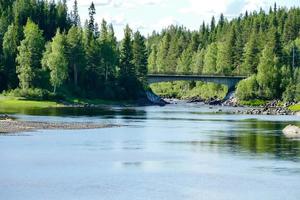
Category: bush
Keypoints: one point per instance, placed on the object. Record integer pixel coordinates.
(189, 90)
(34, 94)
(247, 89)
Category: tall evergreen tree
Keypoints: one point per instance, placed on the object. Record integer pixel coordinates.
(162, 53)
(140, 56)
(210, 59)
(152, 66)
(76, 54)
(251, 56)
(91, 22)
(127, 70)
(75, 18)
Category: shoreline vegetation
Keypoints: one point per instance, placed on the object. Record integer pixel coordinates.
(254, 105)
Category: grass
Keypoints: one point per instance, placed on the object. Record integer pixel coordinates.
(8, 102)
(14, 102)
(295, 108)
(256, 102)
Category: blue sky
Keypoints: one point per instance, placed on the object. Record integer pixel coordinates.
(149, 15)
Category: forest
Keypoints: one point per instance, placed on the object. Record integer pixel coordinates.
(265, 46)
(47, 52)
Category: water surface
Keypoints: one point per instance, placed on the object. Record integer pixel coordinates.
(176, 152)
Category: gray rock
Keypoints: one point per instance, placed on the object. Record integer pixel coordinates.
(291, 131)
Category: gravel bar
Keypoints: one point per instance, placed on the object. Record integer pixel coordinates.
(10, 126)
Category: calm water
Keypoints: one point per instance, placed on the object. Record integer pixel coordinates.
(176, 152)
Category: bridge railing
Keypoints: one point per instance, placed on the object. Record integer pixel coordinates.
(197, 74)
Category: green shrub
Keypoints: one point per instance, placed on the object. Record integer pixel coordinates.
(247, 89)
(189, 90)
(34, 94)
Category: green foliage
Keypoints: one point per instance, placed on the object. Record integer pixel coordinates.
(140, 57)
(247, 89)
(251, 44)
(189, 90)
(295, 108)
(253, 102)
(268, 74)
(92, 63)
(198, 62)
(75, 53)
(29, 55)
(210, 59)
(55, 60)
(152, 66)
(251, 56)
(292, 89)
(10, 45)
(127, 68)
(33, 94)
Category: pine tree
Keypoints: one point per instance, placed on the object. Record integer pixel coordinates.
(162, 53)
(140, 56)
(251, 56)
(210, 59)
(75, 18)
(184, 62)
(152, 66)
(91, 22)
(224, 64)
(107, 43)
(127, 75)
(55, 60)
(198, 61)
(75, 52)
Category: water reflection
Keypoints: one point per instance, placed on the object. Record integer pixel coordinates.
(250, 138)
(105, 111)
(174, 152)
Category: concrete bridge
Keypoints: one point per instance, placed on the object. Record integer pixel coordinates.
(230, 81)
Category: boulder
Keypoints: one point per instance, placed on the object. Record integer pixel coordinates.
(291, 131)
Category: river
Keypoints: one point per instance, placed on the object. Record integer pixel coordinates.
(177, 152)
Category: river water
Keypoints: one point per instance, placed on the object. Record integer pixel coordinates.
(177, 152)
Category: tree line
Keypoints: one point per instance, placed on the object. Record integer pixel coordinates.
(265, 46)
(44, 46)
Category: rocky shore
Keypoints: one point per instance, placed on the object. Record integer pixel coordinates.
(13, 126)
(272, 108)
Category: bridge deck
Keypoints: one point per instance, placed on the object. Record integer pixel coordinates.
(230, 81)
(194, 76)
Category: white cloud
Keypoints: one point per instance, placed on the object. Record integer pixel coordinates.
(251, 5)
(116, 20)
(205, 8)
(117, 3)
(165, 22)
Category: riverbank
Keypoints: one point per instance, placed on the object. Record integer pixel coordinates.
(12, 126)
(19, 102)
(253, 107)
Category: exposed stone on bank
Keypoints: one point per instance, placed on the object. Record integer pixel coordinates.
(155, 99)
(8, 126)
(291, 131)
